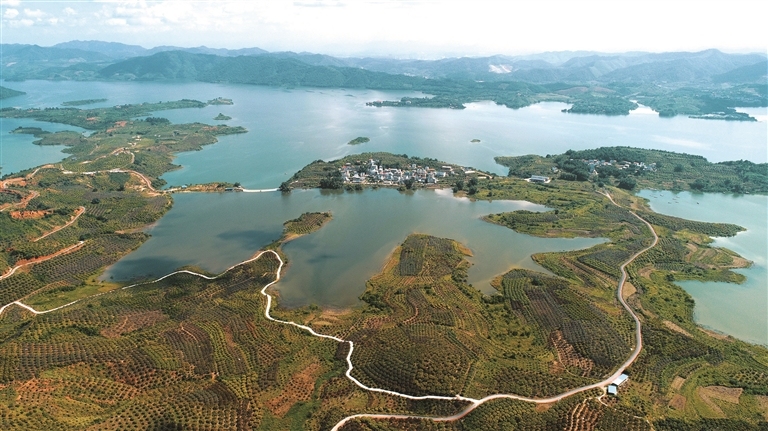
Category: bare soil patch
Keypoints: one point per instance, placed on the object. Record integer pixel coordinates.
(677, 329)
(568, 356)
(730, 395)
(762, 401)
(678, 402)
(645, 272)
(628, 290)
(703, 394)
(299, 388)
(131, 322)
(714, 334)
(26, 215)
(677, 383)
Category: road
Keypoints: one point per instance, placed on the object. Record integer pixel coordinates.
(78, 213)
(11, 271)
(473, 402)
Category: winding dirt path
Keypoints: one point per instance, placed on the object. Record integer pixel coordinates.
(473, 402)
(78, 213)
(11, 271)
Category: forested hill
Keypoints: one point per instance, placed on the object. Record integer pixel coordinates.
(685, 67)
(169, 65)
(706, 84)
(262, 70)
(7, 92)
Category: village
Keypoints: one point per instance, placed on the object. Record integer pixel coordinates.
(373, 172)
(593, 164)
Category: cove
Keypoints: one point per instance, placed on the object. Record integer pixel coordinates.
(740, 310)
(329, 268)
(289, 128)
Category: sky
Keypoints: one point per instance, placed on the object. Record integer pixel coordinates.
(397, 28)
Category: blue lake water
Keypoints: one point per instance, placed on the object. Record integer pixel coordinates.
(740, 310)
(289, 128)
(330, 267)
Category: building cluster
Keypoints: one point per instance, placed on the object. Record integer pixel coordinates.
(372, 171)
(592, 164)
(613, 388)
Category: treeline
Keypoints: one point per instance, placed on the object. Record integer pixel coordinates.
(606, 105)
(7, 92)
(663, 170)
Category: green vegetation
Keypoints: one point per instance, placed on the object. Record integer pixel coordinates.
(188, 352)
(114, 205)
(7, 92)
(706, 103)
(222, 117)
(603, 105)
(34, 131)
(577, 412)
(706, 84)
(327, 175)
(97, 118)
(424, 330)
(359, 140)
(305, 224)
(454, 94)
(639, 168)
(184, 352)
(83, 102)
(680, 364)
(118, 142)
(221, 101)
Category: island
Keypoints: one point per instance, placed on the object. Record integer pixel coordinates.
(601, 335)
(359, 140)
(221, 101)
(83, 102)
(222, 117)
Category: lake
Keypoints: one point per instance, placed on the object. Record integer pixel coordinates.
(330, 267)
(289, 128)
(740, 310)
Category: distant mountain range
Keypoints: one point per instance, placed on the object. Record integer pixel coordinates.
(122, 51)
(692, 83)
(104, 60)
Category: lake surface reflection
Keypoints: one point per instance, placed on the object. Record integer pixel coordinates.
(330, 267)
(740, 310)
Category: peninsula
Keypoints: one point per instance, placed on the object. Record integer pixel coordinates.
(423, 349)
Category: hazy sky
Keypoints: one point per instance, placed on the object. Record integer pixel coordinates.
(400, 28)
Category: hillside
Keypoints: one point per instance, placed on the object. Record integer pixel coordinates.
(706, 84)
(7, 92)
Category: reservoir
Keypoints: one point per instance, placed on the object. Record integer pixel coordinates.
(291, 127)
(740, 310)
(330, 267)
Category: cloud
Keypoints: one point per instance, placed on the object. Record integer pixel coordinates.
(118, 22)
(37, 13)
(69, 11)
(10, 2)
(26, 22)
(11, 13)
(318, 3)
